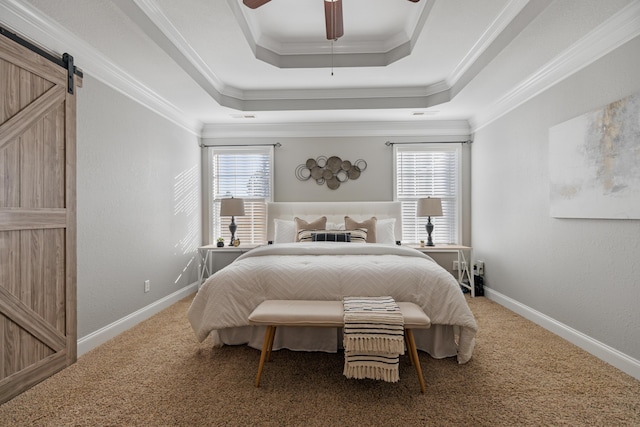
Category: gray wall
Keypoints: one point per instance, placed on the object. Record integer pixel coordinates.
(583, 273)
(138, 206)
(374, 184)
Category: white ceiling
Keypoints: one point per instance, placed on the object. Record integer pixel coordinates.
(194, 61)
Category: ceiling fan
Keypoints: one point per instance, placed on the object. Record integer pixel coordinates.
(332, 15)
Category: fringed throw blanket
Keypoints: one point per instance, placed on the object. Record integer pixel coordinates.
(373, 338)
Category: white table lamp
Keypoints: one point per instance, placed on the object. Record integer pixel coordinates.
(232, 207)
(430, 206)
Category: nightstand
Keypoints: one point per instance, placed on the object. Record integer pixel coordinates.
(464, 267)
(214, 258)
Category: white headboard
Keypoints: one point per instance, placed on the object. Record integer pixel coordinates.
(334, 211)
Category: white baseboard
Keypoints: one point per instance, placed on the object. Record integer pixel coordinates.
(102, 335)
(602, 351)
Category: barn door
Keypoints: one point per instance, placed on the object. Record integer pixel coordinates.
(37, 219)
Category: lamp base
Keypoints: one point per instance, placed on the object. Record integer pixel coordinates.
(232, 228)
(429, 231)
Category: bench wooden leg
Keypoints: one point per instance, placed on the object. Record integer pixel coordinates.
(409, 352)
(271, 337)
(413, 356)
(266, 351)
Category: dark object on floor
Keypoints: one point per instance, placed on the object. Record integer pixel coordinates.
(478, 283)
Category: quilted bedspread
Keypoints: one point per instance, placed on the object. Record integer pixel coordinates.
(331, 271)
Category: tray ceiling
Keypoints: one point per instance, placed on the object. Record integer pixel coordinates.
(212, 61)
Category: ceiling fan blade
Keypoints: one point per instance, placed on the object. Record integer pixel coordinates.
(415, 1)
(254, 4)
(333, 19)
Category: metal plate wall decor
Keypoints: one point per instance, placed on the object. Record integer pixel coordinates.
(333, 170)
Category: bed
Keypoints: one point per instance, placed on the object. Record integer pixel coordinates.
(329, 270)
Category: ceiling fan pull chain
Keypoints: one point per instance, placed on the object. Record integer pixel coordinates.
(332, 57)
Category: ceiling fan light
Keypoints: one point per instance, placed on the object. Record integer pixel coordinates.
(333, 19)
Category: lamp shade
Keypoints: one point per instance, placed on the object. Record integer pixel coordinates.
(231, 207)
(430, 206)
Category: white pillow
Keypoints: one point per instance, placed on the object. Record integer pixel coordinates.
(385, 231)
(335, 226)
(284, 231)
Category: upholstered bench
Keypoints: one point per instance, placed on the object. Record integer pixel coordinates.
(327, 314)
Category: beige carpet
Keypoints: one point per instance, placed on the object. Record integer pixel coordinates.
(156, 374)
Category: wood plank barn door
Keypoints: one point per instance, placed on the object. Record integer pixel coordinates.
(37, 219)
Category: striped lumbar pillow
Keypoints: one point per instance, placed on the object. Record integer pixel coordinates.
(354, 236)
(330, 236)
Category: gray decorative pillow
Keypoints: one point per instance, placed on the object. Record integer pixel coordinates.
(369, 225)
(301, 224)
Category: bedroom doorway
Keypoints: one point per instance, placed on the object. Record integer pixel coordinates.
(37, 214)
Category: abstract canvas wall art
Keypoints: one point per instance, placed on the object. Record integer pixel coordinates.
(594, 163)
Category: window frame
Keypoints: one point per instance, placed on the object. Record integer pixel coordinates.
(457, 199)
(213, 223)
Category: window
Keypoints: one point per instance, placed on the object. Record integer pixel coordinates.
(246, 173)
(423, 170)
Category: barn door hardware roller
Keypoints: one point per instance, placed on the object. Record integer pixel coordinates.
(68, 62)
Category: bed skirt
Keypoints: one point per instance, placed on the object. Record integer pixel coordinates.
(438, 341)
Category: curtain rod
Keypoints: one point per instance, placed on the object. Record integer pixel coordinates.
(389, 143)
(277, 144)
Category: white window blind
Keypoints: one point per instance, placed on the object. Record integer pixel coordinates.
(423, 170)
(246, 173)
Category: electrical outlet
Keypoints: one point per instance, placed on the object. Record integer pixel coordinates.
(479, 268)
(147, 286)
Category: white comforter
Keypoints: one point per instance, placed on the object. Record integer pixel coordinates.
(330, 271)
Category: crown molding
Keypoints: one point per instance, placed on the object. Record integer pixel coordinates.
(338, 129)
(349, 93)
(319, 54)
(169, 38)
(617, 30)
(153, 12)
(324, 47)
(505, 17)
(158, 27)
(149, 17)
(608, 36)
(30, 22)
